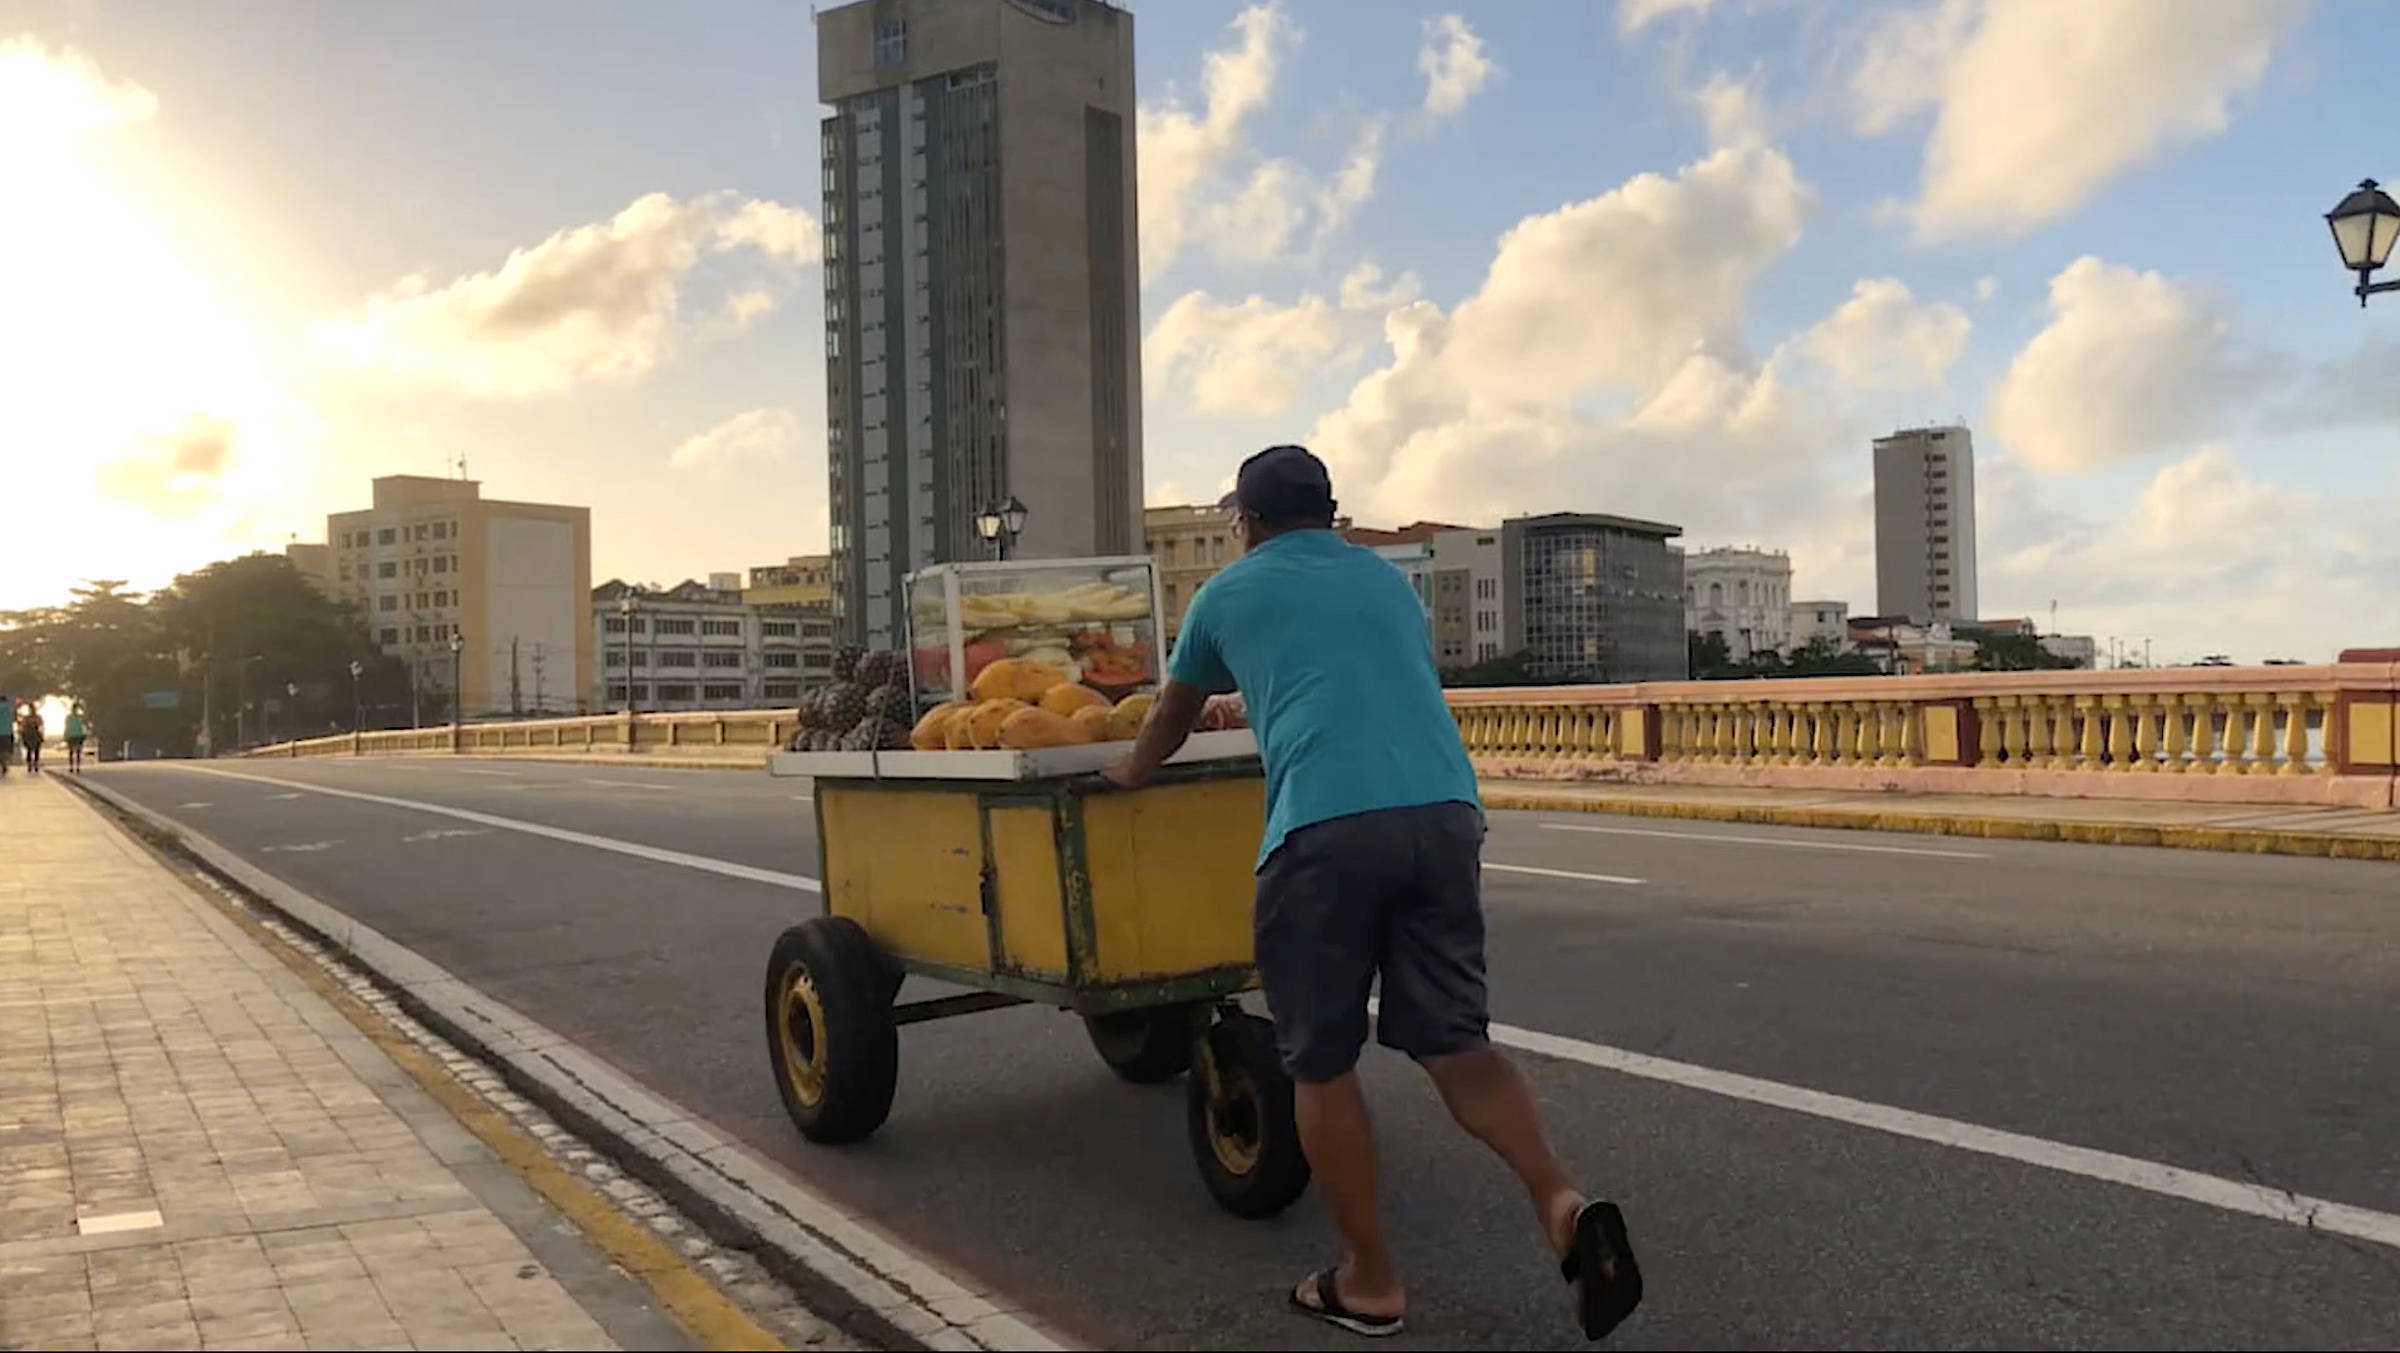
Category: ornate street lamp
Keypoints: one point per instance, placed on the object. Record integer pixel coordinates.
(2365, 224)
(988, 525)
(1012, 513)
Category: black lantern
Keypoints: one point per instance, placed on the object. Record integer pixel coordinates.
(2364, 225)
(1013, 515)
(987, 524)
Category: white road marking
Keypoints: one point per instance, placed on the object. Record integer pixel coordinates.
(1767, 841)
(444, 834)
(1562, 874)
(283, 796)
(2169, 1181)
(194, 804)
(748, 873)
(470, 770)
(303, 848)
(119, 1221)
(631, 784)
(804, 798)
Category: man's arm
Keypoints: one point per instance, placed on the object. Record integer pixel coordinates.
(1170, 722)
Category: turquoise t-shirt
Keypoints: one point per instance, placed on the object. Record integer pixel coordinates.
(1328, 646)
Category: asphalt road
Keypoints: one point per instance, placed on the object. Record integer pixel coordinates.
(2232, 1015)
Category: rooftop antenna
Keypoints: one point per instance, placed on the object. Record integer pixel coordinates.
(462, 464)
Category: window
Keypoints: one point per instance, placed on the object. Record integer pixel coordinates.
(345, 570)
(891, 42)
(1216, 550)
(720, 659)
(721, 691)
(387, 569)
(441, 530)
(782, 690)
(675, 627)
(733, 627)
(615, 624)
(640, 659)
(386, 536)
(678, 657)
(616, 692)
(778, 629)
(785, 659)
(390, 635)
(677, 691)
(387, 602)
(345, 540)
(816, 662)
(441, 563)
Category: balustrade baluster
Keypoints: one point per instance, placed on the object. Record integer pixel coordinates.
(2145, 735)
(2295, 732)
(2262, 731)
(1989, 734)
(2177, 745)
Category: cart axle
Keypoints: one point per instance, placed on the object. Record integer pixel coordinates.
(942, 1007)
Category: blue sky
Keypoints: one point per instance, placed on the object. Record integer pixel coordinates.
(1675, 260)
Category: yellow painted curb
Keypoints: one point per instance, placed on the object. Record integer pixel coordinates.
(2239, 840)
(713, 1319)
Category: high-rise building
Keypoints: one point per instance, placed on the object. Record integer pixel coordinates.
(1592, 597)
(1187, 544)
(1925, 525)
(1743, 596)
(982, 278)
(435, 560)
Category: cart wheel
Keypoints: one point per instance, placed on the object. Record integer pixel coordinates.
(829, 1029)
(1144, 1046)
(1244, 1139)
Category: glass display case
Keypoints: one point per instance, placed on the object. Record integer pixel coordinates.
(1095, 619)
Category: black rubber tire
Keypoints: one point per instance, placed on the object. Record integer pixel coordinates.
(1144, 1046)
(860, 1065)
(1263, 1171)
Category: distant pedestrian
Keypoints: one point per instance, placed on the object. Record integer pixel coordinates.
(77, 731)
(29, 732)
(8, 732)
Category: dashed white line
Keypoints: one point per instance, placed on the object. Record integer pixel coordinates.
(470, 770)
(631, 784)
(748, 873)
(2169, 1181)
(1563, 874)
(1730, 839)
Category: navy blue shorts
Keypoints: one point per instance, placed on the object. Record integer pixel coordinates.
(1395, 893)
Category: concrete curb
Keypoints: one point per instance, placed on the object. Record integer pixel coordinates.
(2238, 840)
(737, 762)
(838, 1263)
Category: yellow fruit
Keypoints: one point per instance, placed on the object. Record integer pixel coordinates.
(932, 732)
(1064, 700)
(1016, 679)
(983, 722)
(1027, 728)
(1125, 721)
(1092, 722)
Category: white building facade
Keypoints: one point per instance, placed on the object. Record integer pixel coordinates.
(1741, 595)
(696, 646)
(1815, 620)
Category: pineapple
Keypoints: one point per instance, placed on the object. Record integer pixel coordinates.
(845, 662)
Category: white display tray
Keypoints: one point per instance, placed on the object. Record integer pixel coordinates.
(1048, 763)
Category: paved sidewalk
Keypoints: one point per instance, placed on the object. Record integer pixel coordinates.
(2280, 829)
(198, 1151)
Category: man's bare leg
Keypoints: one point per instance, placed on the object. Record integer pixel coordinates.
(1340, 1141)
(1490, 1099)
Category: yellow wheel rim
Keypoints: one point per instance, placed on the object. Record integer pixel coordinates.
(1233, 1126)
(800, 1036)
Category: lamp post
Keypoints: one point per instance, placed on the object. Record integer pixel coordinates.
(1000, 524)
(2364, 225)
(357, 710)
(458, 646)
(241, 701)
(625, 616)
(291, 708)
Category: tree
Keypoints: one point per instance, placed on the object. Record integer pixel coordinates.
(1708, 656)
(2012, 651)
(244, 630)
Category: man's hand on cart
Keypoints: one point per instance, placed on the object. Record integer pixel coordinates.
(1170, 721)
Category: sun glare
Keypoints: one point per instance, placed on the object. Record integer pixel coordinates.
(131, 383)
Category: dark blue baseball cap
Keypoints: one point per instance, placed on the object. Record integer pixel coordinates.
(1282, 484)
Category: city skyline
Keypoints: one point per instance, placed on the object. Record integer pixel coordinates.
(1781, 232)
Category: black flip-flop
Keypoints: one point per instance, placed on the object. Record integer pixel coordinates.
(1329, 1308)
(1602, 1250)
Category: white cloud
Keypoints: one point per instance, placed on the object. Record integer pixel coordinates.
(1454, 66)
(1183, 152)
(2130, 364)
(48, 99)
(1635, 15)
(597, 302)
(758, 435)
(2040, 103)
(1735, 113)
(1881, 339)
(1986, 287)
(1257, 357)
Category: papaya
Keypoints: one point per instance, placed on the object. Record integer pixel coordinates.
(1064, 700)
(1092, 721)
(932, 732)
(1029, 727)
(1125, 721)
(1016, 679)
(983, 722)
